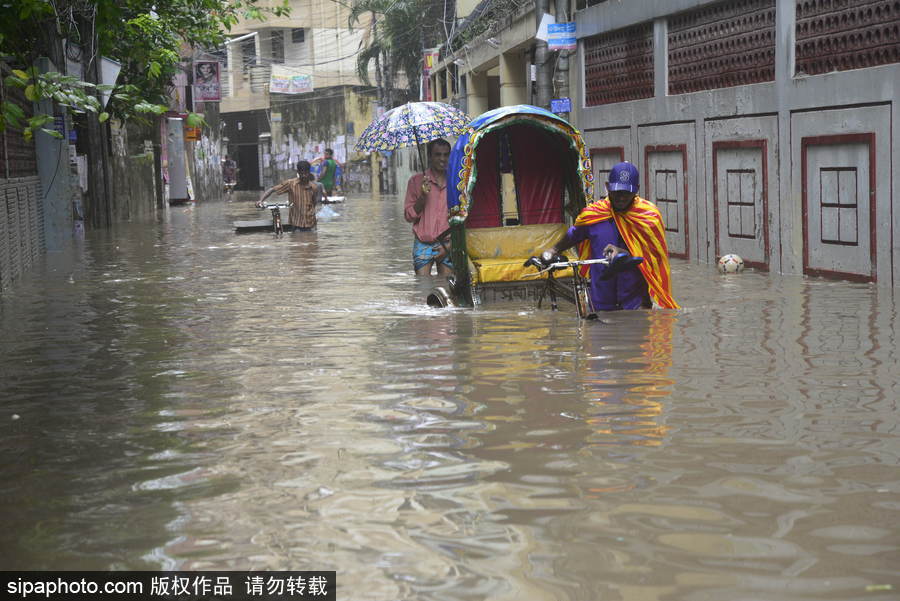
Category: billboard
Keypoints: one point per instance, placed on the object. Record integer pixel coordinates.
(285, 80)
(206, 82)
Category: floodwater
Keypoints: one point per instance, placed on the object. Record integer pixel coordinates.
(176, 396)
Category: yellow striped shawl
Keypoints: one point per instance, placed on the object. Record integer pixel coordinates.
(641, 227)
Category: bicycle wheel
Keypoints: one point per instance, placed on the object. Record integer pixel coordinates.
(277, 223)
(583, 303)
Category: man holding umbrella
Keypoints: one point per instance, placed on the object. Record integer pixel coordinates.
(425, 207)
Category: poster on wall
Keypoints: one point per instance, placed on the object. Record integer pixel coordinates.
(285, 80)
(430, 59)
(206, 82)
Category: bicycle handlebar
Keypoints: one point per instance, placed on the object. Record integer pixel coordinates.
(542, 268)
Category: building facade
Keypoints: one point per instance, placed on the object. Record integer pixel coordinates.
(290, 90)
(767, 128)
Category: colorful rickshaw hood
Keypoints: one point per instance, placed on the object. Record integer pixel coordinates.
(461, 172)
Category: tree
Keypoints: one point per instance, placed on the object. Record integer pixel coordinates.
(144, 35)
(397, 37)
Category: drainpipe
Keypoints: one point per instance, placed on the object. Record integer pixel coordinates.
(541, 60)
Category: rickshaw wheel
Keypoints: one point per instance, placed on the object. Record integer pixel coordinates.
(439, 298)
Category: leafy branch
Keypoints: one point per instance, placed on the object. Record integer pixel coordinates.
(145, 36)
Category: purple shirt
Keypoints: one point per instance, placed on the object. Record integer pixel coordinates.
(626, 290)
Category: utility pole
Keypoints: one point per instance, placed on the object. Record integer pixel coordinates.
(561, 80)
(375, 159)
(99, 210)
(541, 60)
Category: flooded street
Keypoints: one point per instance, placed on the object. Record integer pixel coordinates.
(176, 396)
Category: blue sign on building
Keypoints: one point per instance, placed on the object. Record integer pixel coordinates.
(561, 105)
(561, 36)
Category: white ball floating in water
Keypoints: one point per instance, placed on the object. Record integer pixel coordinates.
(15, 416)
(731, 263)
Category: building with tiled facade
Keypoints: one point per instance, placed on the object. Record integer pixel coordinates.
(767, 128)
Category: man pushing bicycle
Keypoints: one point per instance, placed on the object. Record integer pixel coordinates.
(621, 228)
(304, 193)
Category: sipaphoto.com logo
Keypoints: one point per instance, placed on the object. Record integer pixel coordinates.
(63, 587)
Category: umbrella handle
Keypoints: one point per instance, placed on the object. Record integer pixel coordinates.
(419, 148)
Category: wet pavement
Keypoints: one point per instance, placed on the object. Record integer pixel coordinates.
(176, 396)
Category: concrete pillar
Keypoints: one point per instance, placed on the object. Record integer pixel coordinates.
(542, 60)
(660, 58)
(476, 93)
(375, 166)
(234, 70)
(789, 208)
(513, 89)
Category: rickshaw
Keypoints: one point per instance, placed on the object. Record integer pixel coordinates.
(517, 179)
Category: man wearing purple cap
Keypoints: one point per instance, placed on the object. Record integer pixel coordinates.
(621, 228)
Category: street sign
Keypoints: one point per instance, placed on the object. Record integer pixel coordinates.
(561, 36)
(561, 105)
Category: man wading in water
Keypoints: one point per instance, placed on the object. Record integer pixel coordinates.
(425, 207)
(304, 193)
(329, 171)
(620, 227)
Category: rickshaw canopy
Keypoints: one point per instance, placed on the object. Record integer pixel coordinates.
(544, 152)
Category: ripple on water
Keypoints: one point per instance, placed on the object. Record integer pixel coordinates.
(192, 399)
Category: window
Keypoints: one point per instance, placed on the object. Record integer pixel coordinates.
(277, 46)
(298, 36)
(248, 54)
(453, 70)
(582, 4)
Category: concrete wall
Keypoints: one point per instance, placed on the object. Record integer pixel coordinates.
(303, 126)
(793, 173)
(205, 156)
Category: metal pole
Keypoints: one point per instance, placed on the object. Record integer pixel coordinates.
(562, 65)
(541, 60)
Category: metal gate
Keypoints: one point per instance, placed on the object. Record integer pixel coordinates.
(21, 202)
(21, 228)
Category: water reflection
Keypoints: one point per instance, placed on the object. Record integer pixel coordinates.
(193, 399)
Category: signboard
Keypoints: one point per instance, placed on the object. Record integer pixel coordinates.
(561, 36)
(561, 105)
(285, 80)
(430, 59)
(206, 82)
(191, 134)
(546, 20)
(109, 73)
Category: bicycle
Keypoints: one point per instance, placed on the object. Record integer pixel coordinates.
(578, 293)
(277, 227)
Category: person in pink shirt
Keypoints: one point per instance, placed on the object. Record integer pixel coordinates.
(426, 208)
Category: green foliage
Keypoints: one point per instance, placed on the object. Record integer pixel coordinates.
(403, 28)
(195, 120)
(145, 36)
